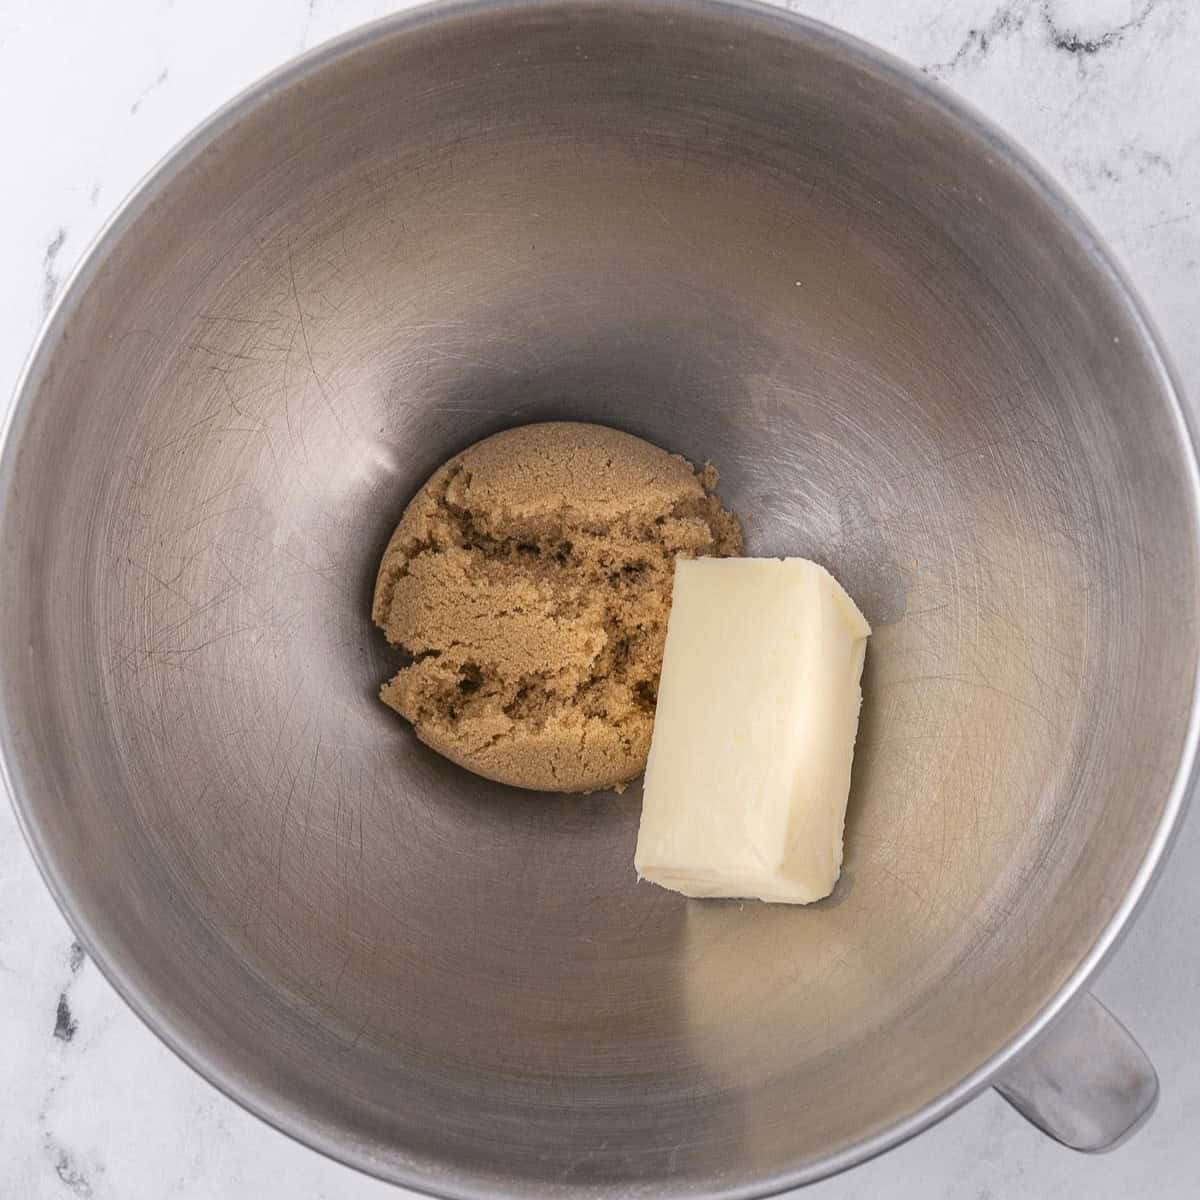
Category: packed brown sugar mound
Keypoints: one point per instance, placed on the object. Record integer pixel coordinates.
(530, 579)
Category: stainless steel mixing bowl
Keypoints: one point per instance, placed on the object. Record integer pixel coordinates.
(746, 238)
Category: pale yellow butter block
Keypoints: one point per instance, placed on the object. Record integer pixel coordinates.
(749, 768)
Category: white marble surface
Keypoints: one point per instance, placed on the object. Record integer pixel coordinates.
(1105, 92)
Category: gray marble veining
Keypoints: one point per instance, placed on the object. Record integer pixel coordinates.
(1104, 92)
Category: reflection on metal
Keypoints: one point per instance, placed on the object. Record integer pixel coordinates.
(744, 238)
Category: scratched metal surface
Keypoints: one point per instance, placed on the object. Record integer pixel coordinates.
(746, 242)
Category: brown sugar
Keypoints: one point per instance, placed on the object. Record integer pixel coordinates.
(530, 579)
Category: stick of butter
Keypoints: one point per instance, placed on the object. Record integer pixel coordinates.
(749, 767)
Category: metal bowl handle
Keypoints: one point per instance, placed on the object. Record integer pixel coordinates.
(1085, 1082)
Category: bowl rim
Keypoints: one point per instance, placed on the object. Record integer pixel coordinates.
(457, 1184)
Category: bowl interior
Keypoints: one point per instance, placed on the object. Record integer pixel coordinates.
(749, 241)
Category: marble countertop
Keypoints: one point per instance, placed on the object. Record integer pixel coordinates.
(1107, 95)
